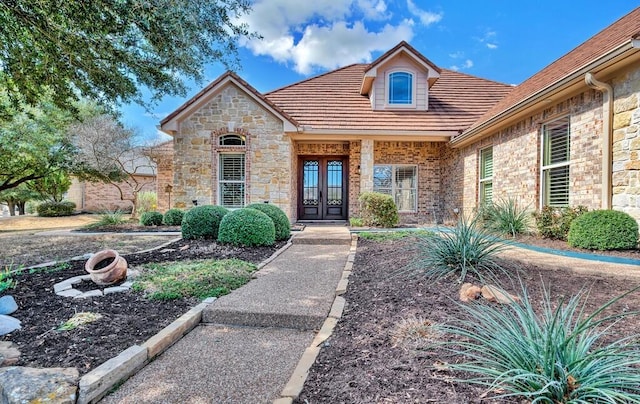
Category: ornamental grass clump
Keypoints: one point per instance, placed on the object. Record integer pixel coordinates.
(506, 217)
(467, 247)
(549, 354)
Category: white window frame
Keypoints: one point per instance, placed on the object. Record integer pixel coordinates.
(394, 191)
(484, 181)
(387, 100)
(546, 168)
(221, 139)
(221, 181)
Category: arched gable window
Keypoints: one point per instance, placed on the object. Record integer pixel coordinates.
(400, 87)
(232, 140)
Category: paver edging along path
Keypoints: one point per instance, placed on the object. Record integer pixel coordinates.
(294, 386)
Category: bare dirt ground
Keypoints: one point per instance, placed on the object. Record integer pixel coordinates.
(18, 223)
(382, 351)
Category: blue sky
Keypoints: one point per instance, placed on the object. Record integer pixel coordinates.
(501, 40)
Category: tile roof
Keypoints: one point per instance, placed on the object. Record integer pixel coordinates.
(332, 101)
(617, 34)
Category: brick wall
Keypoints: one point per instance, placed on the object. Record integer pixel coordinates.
(427, 156)
(98, 196)
(163, 157)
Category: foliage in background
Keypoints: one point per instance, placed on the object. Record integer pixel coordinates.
(201, 279)
(109, 153)
(554, 223)
(247, 227)
(356, 222)
(280, 219)
(110, 50)
(151, 219)
(54, 209)
(467, 247)
(52, 187)
(173, 217)
(35, 138)
(147, 202)
(505, 217)
(202, 222)
(17, 197)
(604, 230)
(378, 209)
(551, 354)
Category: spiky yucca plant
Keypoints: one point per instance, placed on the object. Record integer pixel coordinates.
(467, 247)
(551, 356)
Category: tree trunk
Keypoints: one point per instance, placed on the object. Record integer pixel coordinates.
(21, 208)
(12, 208)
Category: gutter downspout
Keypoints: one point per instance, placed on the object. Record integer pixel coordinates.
(607, 121)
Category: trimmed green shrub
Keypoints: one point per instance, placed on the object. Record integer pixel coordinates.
(468, 247)
(604, 230)
(203, 222)
(378, 209)
(505, 217)
(54, 209)
(545, 352)
(151, 219)
(280, 219)
(173, 217)
(247, 227)
(554, 223)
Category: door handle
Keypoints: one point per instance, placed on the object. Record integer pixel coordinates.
(320, 195)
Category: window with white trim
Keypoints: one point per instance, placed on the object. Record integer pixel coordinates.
(486, 176)
(400, 87)
(231, 140)
(555, 163)
(231, 178)
(399, 181)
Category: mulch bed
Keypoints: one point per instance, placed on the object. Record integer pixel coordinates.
(373, 358)
(128, 318)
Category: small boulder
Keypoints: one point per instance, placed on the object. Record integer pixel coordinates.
(8, 305)
(496, 295)
(31, 385)
(9, 353)
(8, 324)
(469, 292)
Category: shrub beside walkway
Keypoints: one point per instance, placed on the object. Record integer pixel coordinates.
(251, 340)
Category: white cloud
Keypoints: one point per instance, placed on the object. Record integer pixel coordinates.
(488, 39)
(456, 55)
(426, 17)
(468, 64)
(324, 34)
(492, 46)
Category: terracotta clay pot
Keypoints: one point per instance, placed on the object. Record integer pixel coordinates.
(115, 271)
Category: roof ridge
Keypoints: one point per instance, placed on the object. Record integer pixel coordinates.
(314, 77)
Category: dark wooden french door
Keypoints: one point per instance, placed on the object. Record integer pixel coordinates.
(323, 188)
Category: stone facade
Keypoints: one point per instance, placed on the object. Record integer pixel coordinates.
(268, 162)
(626, 143)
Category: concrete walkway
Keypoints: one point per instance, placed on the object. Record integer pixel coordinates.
(250, 341)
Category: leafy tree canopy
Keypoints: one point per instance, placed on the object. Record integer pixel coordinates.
(106, 50)
(33, 143)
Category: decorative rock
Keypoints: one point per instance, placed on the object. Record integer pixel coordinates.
(116, 289)
(8, 305)
(69, 293)
(9, 353)
(91, 293)
(8, 324)
(497, 295)
(31, 385)
(469, 292)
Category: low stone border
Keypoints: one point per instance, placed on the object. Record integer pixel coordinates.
(294, 386)
(101, 380)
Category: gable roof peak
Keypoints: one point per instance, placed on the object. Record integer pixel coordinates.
(371, 71)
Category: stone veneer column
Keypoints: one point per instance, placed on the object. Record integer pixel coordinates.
(366, 165)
